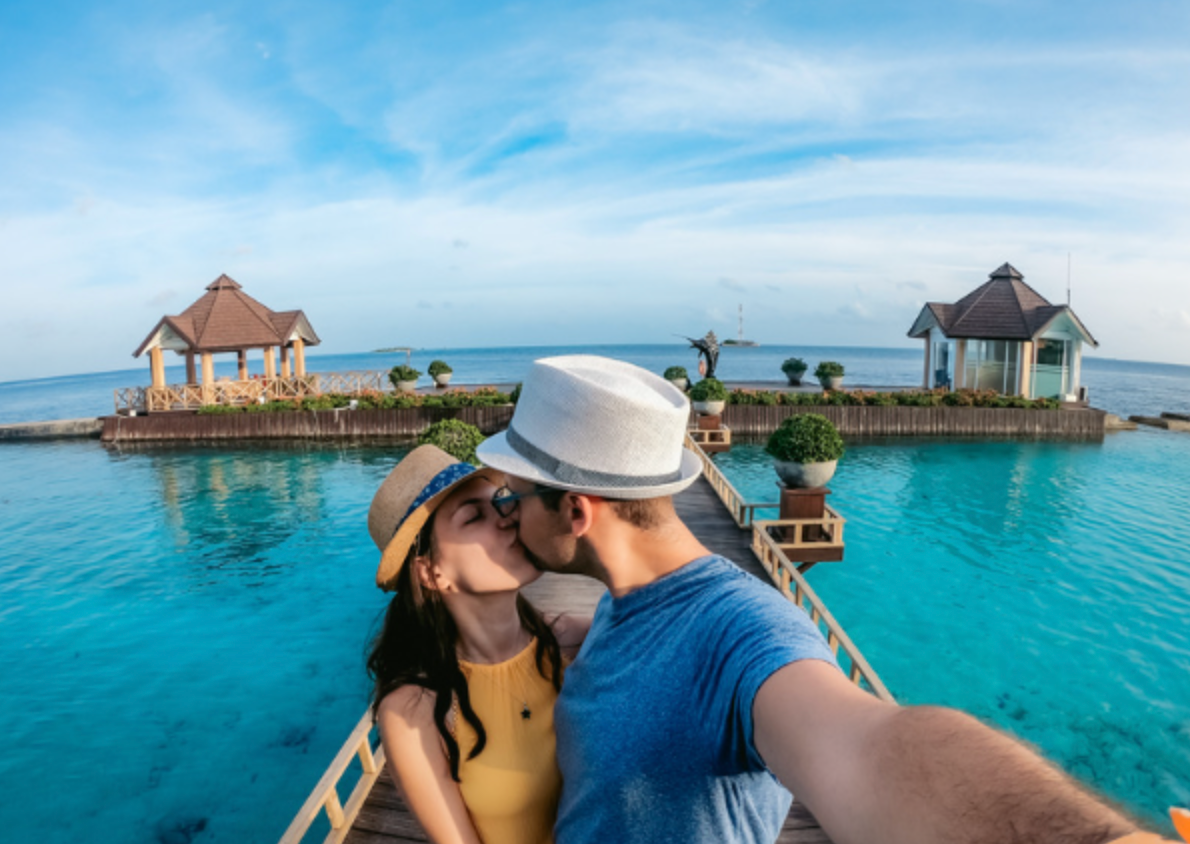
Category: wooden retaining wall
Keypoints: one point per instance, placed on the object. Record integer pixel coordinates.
(1084, 424)
(298, 425)
(744, 420)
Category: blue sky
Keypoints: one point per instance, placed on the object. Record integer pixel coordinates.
(469, 174)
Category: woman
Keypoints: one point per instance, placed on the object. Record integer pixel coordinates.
(466, 670)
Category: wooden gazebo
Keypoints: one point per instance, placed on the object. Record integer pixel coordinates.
(225, 320)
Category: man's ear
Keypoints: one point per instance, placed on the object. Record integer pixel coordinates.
(581, 511)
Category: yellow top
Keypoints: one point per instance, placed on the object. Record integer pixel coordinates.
(511, 788)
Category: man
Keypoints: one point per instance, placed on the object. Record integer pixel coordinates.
(700, 692)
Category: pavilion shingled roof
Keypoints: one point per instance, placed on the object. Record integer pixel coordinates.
(226, 319)
(1003, 308)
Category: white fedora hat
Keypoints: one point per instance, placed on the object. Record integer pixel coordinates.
(597, 425)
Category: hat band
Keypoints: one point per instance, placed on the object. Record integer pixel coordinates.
(568, 473)
(448, 476)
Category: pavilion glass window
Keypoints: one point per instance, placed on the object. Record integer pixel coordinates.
(993, 365)
(1051, 371)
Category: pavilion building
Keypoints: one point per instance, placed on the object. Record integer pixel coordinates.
(226, 320)
(1004, 336)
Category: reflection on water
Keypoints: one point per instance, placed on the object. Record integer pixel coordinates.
(191, 623)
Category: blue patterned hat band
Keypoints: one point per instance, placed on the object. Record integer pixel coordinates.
(451, 474)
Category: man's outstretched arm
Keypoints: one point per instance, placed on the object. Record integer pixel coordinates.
(875, 773)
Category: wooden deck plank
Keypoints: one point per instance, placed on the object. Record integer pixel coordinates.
(385, 819)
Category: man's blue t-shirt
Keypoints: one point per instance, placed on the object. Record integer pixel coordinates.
(655, 717)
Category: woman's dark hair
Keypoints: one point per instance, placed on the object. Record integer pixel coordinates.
(416, 646)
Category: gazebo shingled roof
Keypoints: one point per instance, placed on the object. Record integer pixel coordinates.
(1003, 308)
(226, 319)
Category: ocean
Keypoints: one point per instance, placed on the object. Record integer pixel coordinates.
(1122, 387)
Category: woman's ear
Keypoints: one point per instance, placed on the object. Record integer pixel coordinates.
(426, 575)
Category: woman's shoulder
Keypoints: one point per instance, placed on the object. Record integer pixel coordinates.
(411, 703)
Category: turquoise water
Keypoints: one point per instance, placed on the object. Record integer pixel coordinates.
(1042, 587)
(183, 636)
(183, 629)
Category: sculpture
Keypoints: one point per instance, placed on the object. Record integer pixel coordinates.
(708, 353)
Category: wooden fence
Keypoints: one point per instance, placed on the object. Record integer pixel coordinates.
(325, 797)
(1080, 424)
(226, 391)
(342, 424)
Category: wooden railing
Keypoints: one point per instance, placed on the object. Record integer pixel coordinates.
(741, 511)
(325, 797)
(352, 383)
(785, 574)
(131, 399)
(224, 391)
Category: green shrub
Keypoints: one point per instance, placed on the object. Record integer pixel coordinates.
(675, 372)
(403, 373)
(455, 437)
(753, 397)
(278, 406)
(219, 409)
(708, 389)
(805, 438)
(828, 369)
(794, 367)
(438, 367)
(515, 395)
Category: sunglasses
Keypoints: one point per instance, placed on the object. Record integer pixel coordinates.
(505, 501)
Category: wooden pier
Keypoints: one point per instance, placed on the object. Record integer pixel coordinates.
(375, 813)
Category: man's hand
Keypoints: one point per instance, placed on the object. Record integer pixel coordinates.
(876, 773)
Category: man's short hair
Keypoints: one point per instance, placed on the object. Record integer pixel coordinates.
(643, 513)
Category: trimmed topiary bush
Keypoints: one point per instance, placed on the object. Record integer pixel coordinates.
(794, 369)
(805, 438)
(708, 389)
(438, 367)
(829, 369)
(403, 373)
(675, 372)
(455, 437)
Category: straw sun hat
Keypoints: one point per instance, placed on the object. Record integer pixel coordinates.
(409, 495)
(596, 425)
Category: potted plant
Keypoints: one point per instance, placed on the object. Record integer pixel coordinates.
(805, 449)
(440, 372)
(404, 378)
(709, 396)
(454, 436)
(794, 369)
(677, 374)
(829, 374)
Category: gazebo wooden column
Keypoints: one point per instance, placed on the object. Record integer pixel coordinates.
(242, 359)
(157, 366)
(270, 363)
(925, 378)
(208, 378)
(299, 357)
(285, 372)
(191, 376)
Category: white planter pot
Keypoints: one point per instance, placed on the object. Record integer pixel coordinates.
(835, 382)
(443, 379)
(406, 386)
(805, 475)
(709, 408)
(680, 383)
(795, 378)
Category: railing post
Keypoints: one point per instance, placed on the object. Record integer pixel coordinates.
(334, 809)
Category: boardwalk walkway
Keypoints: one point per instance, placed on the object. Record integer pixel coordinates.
(385, 819)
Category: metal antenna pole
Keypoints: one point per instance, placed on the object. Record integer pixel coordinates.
(1068, 279)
